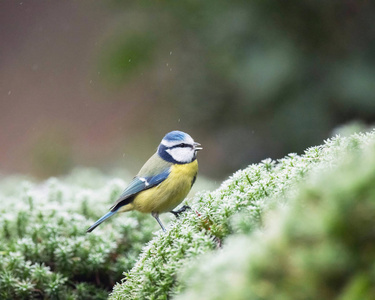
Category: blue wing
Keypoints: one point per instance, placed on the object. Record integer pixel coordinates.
(139, 184)
(101, 220)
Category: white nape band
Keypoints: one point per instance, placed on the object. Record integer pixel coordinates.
(170, 143)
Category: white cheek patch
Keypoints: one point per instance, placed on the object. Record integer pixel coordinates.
(182, 155)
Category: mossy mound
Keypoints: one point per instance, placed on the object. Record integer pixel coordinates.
(320, 246)
(45, 252)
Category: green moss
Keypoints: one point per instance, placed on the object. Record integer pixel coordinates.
(45, 251)
(321, 246)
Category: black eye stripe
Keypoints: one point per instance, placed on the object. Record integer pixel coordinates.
(182, 145)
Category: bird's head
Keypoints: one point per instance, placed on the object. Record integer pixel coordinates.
(178, 147)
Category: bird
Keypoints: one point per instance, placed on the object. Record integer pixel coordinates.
(164, 180)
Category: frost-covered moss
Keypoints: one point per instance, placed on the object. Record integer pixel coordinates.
(45, 251)
(320, 246)
(238, 206)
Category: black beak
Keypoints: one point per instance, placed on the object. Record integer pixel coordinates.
(197, 146)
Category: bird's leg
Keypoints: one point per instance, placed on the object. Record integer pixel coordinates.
(156, 216)
(180, 211)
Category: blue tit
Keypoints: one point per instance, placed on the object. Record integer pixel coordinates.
(164, 180)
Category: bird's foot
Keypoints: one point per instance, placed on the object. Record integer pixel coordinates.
(177, 213)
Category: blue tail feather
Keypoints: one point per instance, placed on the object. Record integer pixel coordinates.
(101, 220)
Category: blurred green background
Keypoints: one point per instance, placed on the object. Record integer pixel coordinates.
(98, 83)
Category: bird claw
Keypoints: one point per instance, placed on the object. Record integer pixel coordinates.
(177, 213)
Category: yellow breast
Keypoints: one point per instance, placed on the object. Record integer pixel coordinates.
(169, 193)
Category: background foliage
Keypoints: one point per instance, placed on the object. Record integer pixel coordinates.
(266, 78)
(87, 82)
